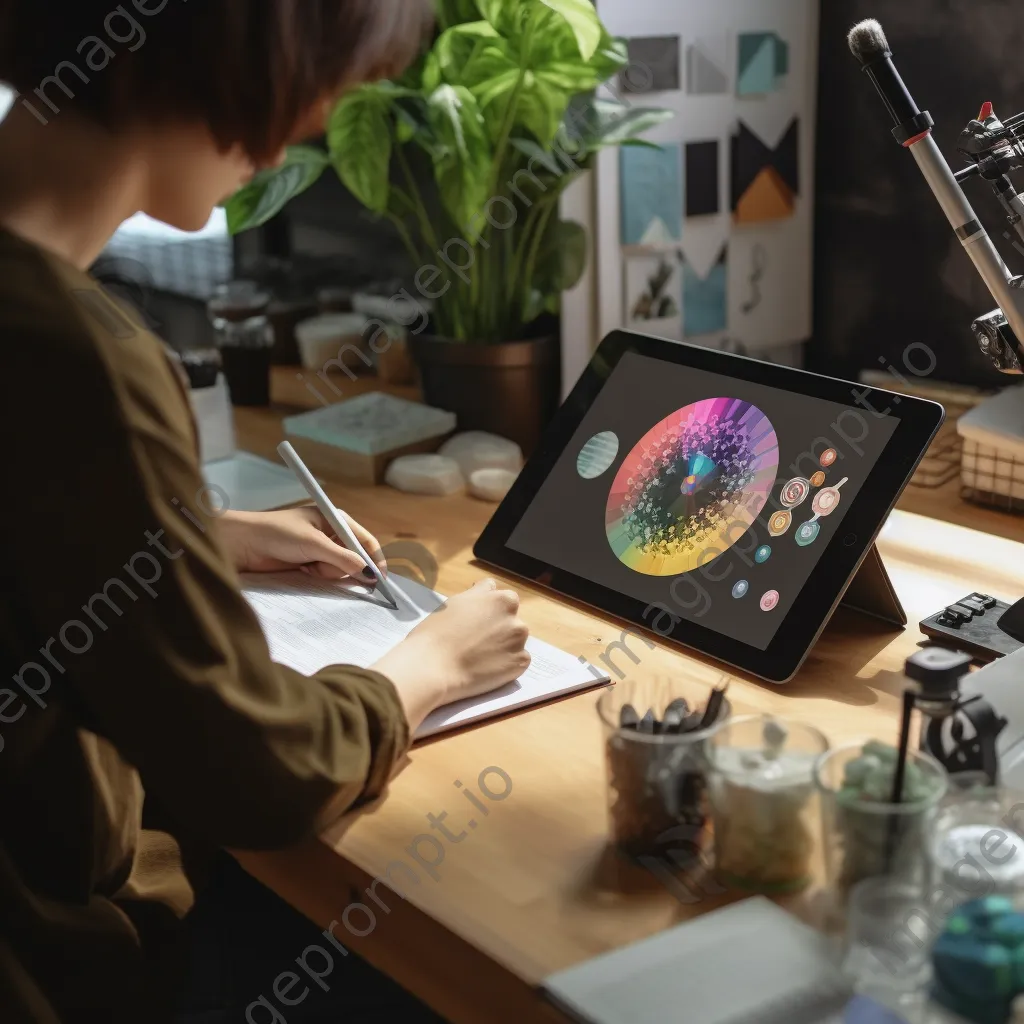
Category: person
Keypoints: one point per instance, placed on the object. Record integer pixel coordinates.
(144, 726)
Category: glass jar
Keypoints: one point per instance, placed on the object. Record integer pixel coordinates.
(657, 790)
(977, 847)
(764, 803)
(865, 834)
(245, 338)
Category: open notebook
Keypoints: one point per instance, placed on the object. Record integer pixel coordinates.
(310, 624)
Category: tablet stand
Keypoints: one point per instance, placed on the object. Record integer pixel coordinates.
(871, 592)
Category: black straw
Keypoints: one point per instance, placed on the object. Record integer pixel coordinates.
(901, 761)
(909, 699)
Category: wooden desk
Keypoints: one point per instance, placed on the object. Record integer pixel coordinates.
(531, 889)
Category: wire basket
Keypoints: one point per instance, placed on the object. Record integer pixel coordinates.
(992, 471)
(941, 464)
(993, 477)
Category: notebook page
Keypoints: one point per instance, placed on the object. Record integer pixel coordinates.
(310, 624)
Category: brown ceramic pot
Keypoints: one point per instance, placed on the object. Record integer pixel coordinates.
(511, 388)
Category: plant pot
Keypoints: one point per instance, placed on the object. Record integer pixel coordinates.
(511, 389)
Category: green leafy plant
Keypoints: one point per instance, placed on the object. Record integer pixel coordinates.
(504, 110)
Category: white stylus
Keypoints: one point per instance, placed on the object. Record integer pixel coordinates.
(333, 515)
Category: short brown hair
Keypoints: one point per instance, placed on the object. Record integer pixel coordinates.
(250, 69)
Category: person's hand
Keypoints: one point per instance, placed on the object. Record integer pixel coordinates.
(472, 644)
(297, 538)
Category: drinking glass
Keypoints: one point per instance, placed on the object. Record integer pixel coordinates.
(869, 839)
(764, 803)
(657, 782)
(887, 953)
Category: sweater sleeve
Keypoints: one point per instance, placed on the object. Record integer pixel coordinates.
(138, 617)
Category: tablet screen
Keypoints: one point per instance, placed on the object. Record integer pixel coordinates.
(708, 498)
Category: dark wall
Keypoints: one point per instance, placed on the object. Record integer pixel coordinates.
(889, 270)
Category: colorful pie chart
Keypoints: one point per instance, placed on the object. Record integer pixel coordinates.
(692, 487)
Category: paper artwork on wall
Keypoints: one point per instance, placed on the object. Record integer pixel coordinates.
(654, 291)
(765, 181)
(763, 63)
(653, 65)
(707, 66)
(702, 178)
(705, 298)
(651, 186)
(755, 281)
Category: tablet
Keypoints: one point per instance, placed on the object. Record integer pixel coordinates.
(716, 501)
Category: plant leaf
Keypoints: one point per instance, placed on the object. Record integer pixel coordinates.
(563, 258)
(462, 160)
(596, 124)
(455, 12)
(538, 154)
(535, 304)
(457, 51)
(496, 12)
(611, 57)
(271, 190)
(540, 108)
(359, 140)
(561, 261)
(582, 18)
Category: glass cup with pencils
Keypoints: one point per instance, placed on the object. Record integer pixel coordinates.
(655, 735)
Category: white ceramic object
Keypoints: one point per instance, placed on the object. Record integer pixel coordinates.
(476, 449)
(491, 484)
(425, 474)
(215, 421)
(321, 338)
(400, 308)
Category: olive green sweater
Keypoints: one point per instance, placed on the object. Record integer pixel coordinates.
(142, 722)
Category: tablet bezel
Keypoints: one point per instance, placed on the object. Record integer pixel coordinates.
(919, 421)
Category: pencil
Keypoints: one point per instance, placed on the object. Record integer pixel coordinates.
(334, 516)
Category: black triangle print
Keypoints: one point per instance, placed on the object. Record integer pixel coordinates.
(787, 157)
(750, 156)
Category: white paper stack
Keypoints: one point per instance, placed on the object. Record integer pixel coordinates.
(310, 624)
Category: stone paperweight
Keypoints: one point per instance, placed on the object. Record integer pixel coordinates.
(476, 449)
(425, 474)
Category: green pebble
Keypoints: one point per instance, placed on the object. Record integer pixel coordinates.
(878, 788)
(848, 796)
(1009, 930)
(1000, 962)
(958, 925)
(881, 751)
(1018, 968)
(993, 905)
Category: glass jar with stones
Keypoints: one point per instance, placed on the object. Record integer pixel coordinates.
(764, 803)
(655, 734)
(865, 834)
